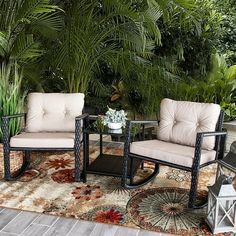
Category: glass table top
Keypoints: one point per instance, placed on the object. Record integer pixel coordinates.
(103, 129)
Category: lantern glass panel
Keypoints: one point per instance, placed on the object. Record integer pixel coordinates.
(226, 213)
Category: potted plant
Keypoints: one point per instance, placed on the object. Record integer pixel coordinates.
(115, 119)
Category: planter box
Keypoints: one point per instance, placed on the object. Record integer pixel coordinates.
(231, 136)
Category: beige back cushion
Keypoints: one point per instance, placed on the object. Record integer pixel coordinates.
(53, 112)
(180, 121)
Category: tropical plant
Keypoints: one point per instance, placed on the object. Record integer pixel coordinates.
(141, 92)
(227, 40)
(21, 24)
(190, 40)
(219, 86)
(185, 49)
(11, 98)
(230, 110)
(111, 32)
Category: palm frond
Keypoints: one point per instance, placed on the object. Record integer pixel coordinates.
(3, 43)
(25, 49)
(98, 88)
(29, 9)
(47, 24)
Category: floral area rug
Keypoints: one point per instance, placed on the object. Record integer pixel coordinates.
(48, 187)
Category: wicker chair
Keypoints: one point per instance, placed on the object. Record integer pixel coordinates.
(189, 137)
(52, 123)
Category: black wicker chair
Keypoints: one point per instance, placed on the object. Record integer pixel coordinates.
(38, 137)
(166, 150)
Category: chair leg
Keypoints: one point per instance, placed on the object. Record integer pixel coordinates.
(132, 185)
(26, 158)
(7, 165)
(131, 171)
(77, 163)
(193, 191)
(142, 165)
(85, 156)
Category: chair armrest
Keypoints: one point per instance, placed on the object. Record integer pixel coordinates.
(214, 133)
(199, 140)
(93, 117)
(78, 126)
(13, 116)
(129, 124)
(86, 116)
(128, 128)
(143, 122)
(81, 117)
(5, 126)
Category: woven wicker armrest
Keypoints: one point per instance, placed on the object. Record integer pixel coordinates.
(13, 116)
(143, 122)
(82, 117)
(5, 124)
(214, 133)
(219, 148)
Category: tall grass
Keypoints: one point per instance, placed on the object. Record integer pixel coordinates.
(11, 98)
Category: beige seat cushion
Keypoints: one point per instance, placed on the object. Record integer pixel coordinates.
(43, 140)
(53, 112)
(180, 122)
(170, 152)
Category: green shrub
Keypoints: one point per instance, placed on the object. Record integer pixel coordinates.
(230, 110)
(11, 98)
(219, 86)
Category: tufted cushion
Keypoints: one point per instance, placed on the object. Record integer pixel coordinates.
(180, 121)
(53, 112)
(170, 152)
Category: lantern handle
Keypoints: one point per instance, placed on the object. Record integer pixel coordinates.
(225, 179)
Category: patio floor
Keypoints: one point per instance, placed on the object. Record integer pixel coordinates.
(14, 222)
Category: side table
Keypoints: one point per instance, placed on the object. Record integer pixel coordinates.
(105, 164)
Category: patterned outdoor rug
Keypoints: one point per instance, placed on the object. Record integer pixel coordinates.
(160, 206)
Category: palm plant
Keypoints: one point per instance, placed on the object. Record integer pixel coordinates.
(121, 34)
(143, 81)
(21, 22)
(104, 32)
(142, 88)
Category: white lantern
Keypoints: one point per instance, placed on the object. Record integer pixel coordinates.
(221, 212)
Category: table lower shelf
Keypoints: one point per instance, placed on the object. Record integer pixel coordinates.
(111, 165)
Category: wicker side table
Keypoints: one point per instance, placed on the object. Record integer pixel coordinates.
(105, 164)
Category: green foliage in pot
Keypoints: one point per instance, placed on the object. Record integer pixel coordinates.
(115, 116)
(11, 97)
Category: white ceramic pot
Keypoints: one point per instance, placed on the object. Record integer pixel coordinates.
(114, 125)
